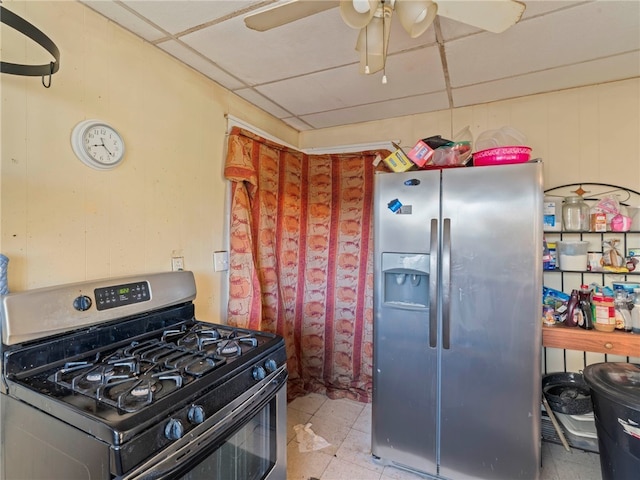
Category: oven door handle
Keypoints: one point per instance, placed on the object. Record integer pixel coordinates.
(188, 451)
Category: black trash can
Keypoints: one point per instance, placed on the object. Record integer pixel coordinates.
(615, 393)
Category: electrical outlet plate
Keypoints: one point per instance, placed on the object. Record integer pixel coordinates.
(220, 261)
(177, 263)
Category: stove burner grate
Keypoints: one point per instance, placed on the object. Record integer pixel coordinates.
(143, 371)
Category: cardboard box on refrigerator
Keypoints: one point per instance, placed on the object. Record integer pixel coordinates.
(398, 161)
(420, 153)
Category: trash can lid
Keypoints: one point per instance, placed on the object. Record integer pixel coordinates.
(619, 382)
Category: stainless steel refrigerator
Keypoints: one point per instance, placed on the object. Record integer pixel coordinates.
(457, 321)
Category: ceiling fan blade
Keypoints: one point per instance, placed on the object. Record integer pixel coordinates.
(283, 13)
(491, 15)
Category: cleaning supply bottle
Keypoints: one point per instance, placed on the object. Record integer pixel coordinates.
(584, 296)
(573, 309)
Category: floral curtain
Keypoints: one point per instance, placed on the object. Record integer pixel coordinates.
(301, 260)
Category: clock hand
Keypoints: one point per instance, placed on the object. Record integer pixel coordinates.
(105, 147)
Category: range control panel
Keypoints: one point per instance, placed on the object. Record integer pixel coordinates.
(120, 295)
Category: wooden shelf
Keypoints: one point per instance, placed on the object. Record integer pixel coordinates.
(575, 338)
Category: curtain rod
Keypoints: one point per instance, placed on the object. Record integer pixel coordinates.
(359, 147)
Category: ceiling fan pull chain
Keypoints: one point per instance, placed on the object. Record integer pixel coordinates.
(384, 50)
(366, 50)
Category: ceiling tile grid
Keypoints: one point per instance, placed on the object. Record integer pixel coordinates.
(307, 72)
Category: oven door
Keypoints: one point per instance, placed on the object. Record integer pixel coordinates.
(246, 440)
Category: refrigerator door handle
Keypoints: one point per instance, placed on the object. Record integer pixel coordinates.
(446, 283)
(433, 284)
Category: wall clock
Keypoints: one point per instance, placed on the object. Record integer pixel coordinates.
(97, 144)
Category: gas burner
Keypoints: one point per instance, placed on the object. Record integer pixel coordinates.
(202, 365)
(134, 393)
(146, 370)
(231, 346)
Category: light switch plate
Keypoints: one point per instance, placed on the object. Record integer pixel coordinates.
(220, 261)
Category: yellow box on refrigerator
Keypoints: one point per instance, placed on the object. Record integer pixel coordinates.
(398, 161)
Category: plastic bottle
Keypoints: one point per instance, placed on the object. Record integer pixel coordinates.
(623, 313)
(635, 312)
(571, 320)
(584, 296)
(604, 317)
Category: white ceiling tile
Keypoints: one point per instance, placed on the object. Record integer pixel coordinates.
(378, 111)
(286, 51)
(264, 103)
(618, 67)
(412, 73)
(298, 124)
(180, 15)
(569, 36)
(542, 7)
(201, 64)
(452, 29)
(310, 67)
(126, 19)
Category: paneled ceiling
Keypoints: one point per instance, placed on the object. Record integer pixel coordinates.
(307, 74)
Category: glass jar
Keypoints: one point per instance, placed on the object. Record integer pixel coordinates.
(575, 214)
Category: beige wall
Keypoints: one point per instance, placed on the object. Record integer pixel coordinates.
(589, 134)
(64, 222)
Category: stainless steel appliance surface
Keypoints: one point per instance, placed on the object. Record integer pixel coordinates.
(117, 378)
(457, 288)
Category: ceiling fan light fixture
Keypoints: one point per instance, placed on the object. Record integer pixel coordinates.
(416, 15)
(358, 13)
(374, 38)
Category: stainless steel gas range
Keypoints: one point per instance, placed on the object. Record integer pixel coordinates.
(117, 379)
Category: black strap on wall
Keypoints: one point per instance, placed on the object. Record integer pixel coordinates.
(24, 27)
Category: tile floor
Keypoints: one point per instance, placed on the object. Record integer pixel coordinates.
(346, 425)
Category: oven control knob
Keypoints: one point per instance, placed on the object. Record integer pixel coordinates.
(82, 303)
(174, 429)
(196, 414)
(271, 365)
(259, 373)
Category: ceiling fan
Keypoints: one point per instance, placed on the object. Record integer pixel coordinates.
(373, 19)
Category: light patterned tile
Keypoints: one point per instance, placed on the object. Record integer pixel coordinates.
(393, 473)
(363, 422)
(309, 403)
(356, 449)
(349, 456)
(332, 430)
(340, 469)
(345, 410)
(305, 465)
(295, 417)
(548, 470)
(576, 465)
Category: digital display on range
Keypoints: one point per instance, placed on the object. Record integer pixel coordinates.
(120, 295)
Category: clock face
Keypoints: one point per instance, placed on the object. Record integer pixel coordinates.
(97, 144)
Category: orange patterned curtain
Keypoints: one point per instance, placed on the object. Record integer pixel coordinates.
(301, 261)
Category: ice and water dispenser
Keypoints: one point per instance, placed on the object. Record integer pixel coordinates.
(405, 279)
